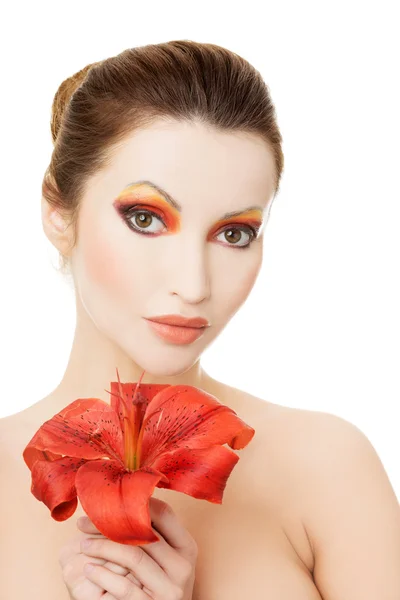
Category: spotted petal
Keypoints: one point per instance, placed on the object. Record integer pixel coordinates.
(117, 501)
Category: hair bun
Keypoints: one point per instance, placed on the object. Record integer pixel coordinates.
(63, 96)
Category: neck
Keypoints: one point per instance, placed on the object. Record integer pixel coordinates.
(93, 361)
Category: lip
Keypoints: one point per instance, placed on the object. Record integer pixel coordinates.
(179, 320)
(176, 334)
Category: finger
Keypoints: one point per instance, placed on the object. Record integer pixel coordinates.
(114, 568)
(169, 559)
(76, 581)
(130, 576)
(72, 562)
(160, 553)
(69, 551)
(119, 587)
(109, 565)
(74, 547)
(86, 525)
(82, 587)
(167, 522)
(134, 558)
(134, 580)
(164, 520)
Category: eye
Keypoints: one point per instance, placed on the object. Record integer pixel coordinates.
(143, 221)
(235, 234)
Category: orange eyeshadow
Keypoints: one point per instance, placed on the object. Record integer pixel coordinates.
(168, 213)
(251, 217)
(171, 216)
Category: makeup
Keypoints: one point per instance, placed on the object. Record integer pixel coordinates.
(176, 334)
(136, 197)
(180, 320)
(252, 218)
(159, 207)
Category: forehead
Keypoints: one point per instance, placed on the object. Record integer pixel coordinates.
(195, 160)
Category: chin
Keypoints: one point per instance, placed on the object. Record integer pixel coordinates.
(166, 361)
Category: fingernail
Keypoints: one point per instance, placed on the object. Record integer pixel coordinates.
(85, 544)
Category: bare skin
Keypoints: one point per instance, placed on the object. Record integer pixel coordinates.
(253, 543)
(309, 501)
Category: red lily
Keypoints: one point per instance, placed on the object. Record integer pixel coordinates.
(112, 456)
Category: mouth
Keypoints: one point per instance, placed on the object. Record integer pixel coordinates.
(176, 334)
(181, 321)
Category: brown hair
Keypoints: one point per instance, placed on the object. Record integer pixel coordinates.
(94, 109)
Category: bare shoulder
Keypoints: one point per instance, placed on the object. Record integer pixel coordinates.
(305, 444)
(298, 437)
(316, 444)
(344, 499)
(15, 430)
(301, 454)
(291, 445)
(11, 431)
(292, 432)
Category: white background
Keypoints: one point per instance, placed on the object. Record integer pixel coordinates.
(321, 328)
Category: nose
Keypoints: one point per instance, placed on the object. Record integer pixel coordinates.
(189, 275)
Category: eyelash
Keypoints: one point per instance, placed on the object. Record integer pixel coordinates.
(128, 212)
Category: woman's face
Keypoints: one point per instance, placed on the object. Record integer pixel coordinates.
(138, 256)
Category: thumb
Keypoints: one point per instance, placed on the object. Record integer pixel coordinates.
(86, 525)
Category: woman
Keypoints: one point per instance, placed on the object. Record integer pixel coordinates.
(166, 162)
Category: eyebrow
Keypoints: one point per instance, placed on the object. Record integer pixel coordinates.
(178, 207)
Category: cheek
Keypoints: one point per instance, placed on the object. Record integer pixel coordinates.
(104, 263)
(108, 266)
(234, 289)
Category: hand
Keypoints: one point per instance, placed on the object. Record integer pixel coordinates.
(163, 570)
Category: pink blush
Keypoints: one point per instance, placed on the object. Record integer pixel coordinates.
(104, 257)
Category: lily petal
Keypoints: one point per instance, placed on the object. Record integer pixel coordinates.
(144, 395)
(32, 454)
(87, 428)
(200, 473)
(183, 416)
(53, 483)
(117, 500)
